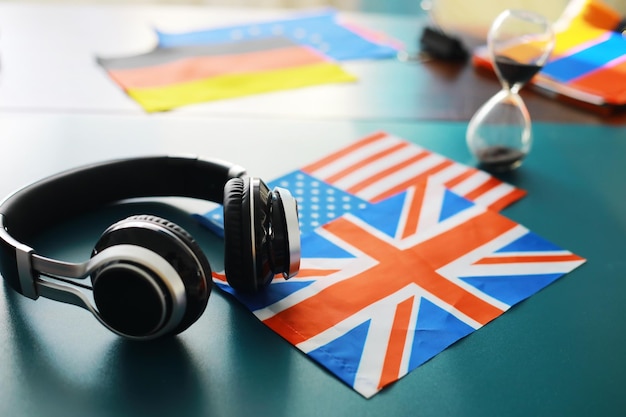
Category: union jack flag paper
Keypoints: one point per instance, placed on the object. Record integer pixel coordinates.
(371, 170)
(384, 289)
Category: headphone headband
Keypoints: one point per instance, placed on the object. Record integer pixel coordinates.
(70, 193)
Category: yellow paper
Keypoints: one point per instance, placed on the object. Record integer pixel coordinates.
(527, 52)
(237, 85)
(578, 33)
(586, 21)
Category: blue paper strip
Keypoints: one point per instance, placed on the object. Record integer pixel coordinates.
(319, 31)
(576, 65)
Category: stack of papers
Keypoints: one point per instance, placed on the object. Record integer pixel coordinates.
(403, 254)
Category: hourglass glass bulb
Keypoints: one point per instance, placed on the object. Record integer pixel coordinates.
(519, 43)
(499, 135)
(513, 74)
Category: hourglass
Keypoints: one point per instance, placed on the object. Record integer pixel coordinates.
(499, 134)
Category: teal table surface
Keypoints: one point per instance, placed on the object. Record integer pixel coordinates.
(559, 353)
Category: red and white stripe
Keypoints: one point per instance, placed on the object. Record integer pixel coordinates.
(382, 165)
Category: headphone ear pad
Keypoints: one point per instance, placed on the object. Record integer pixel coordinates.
(238, 251)
(175, 245)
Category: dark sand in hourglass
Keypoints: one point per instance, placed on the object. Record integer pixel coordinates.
(500, 158)
(514, 72)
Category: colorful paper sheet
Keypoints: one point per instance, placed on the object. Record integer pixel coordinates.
(584, 21)
(320, 31)
(589, 58)
(371, 170)
(166, 78)
(384, 289)
(240, 60)
(593, 57)
(395, 266)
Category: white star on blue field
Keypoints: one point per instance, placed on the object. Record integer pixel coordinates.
(318, 202)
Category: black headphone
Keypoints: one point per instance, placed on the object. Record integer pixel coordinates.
(149, 277)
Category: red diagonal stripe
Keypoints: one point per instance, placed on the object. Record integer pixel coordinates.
(397, 341)
(420, 178)
(528, 259)
(366, 161)
(311, 168)
(460, 178)
(387, 172)
(512, 196)
(486, 186)
(395, 270)
(414, 212)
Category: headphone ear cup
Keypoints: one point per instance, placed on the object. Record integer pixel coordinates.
(177, 247)
(261, 234)
(239, 257)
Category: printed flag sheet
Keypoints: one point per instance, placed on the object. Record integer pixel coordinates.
(588, 63)
(321, 31)
(384, 289)
(392, 275)
(235, 61)
(371, 170)
(166, 78)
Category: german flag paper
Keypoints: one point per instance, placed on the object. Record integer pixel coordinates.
(235, 61)
(167, 78)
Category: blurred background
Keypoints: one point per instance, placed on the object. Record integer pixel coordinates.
(468, 17)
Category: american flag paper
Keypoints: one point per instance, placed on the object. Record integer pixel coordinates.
(384, 289)
(371, 170)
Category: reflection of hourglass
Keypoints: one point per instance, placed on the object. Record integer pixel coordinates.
(499, 135)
